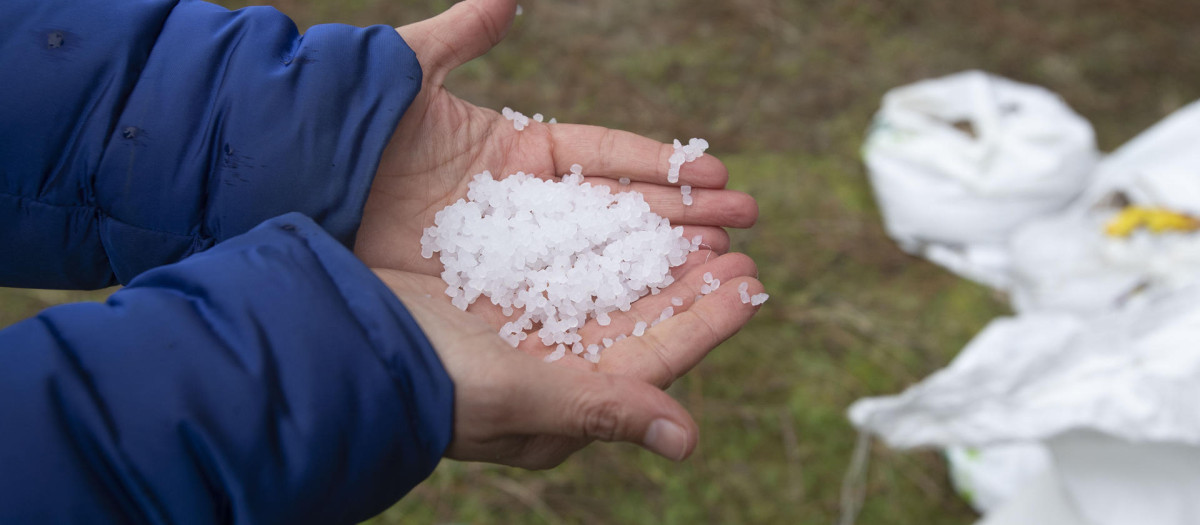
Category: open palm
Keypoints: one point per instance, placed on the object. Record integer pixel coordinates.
(510, 406)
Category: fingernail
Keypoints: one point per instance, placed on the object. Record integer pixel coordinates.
(667, 439)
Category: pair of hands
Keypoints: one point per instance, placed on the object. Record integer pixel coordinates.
(510, 407)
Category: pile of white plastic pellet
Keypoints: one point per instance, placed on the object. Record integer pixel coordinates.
(559, 253)
(555, 254)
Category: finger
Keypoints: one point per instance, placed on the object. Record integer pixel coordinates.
(710, 207)
(711, 238)
(667, 351)
(614, 154)
(465, 31)
(594, 406)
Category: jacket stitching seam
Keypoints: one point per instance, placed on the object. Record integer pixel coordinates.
(100, 214)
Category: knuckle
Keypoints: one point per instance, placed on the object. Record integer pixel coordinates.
(667, 373)
(608, 144)
(601, 419)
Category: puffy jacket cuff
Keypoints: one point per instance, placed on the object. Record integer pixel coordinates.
(270, 379)
(426, 393)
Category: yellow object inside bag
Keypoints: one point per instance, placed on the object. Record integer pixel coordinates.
(1157, 220)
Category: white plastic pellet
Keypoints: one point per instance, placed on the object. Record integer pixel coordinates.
(639, 328)
(758, 299)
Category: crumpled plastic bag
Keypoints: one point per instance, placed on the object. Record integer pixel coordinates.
(957, 163)
(1134, 230)
(1089, 253)
(1113, 396)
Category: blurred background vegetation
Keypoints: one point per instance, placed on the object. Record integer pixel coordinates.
(784, 90)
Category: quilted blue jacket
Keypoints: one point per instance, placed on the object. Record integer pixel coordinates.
(216, 163)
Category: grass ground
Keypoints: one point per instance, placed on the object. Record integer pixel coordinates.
(784, 90)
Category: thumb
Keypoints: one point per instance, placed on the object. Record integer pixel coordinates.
(465, 31)
(595, 406)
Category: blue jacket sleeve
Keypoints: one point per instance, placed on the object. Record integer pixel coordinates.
(136, 132)
(271, 379)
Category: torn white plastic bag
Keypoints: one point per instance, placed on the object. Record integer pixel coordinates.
(1112, 396)
(1100, 253)
(957, 163)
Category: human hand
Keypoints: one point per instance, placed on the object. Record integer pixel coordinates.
(442, 141)
(514, 409)
(511, 408)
